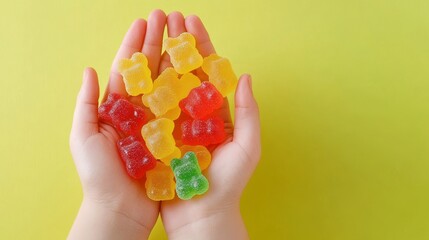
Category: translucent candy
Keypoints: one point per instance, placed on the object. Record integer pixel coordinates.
(203, 155)
(136, 156)
(220, 73)
(160, 183)
(159, 138)
(124, 116)
(175, 154)
(202, 101)
(168, 90)
(172, 114)
(203, 132)
(136, 74)
(183, 53)
(189, 180)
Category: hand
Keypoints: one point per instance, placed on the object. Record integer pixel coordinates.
(216, 214)
(114, 205)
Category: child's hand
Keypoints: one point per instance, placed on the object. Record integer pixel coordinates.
(216, 214)
(114, 205)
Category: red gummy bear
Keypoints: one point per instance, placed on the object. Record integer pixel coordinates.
(202, 101)
(203, 132)
(125, 117)
(136, 156)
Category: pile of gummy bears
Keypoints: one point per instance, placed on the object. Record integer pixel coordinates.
(181, 103)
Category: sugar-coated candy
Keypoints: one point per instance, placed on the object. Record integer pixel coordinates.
(189, 180)
(124, 116)
(136, 74)
(160, 183)
(158, 99)
(203, 131)
(220, 73)
(172, 114)
(136, 156)
(188, 81)
(202, 101)
(158, 135)
(203, 155)
(175, 154)
(183, 53)
(168, 90)
(177, 132)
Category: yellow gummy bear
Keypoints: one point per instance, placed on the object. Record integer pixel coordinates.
(167, 92)
(158, 135)
(136, 74)
(175, 154)
(188, 81)
(220, 73)
(183, 53)
(172, 114)
(160, 183)
(203, 155)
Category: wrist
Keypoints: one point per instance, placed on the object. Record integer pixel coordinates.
(221, 225)
(96, 221)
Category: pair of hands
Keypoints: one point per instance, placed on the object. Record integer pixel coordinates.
(114, 205)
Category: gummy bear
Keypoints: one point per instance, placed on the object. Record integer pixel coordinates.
(203, 132)
(203, 155)
(136, 156)
(168, 90)
(202, 101)
(188, 81)
(175, 154)
(220, 73)
(189, 180)
(136, 74)
(183, 53)
(160, 183)
(159, 138)
(117, 111)
(172, 114)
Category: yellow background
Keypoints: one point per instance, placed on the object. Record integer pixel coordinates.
(343, 91)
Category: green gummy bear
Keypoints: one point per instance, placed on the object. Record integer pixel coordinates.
(189, 180)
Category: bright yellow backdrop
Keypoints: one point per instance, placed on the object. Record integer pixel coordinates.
(343, 91)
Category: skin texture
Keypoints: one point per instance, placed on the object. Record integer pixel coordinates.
(114, 205)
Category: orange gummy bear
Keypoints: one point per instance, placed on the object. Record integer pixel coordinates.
(203, 155)
(160, 183)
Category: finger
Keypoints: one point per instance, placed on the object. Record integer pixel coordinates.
(175, 26)
(152, 45)
(132, 42)
(85, 120)
(247, 124)
(195, 26)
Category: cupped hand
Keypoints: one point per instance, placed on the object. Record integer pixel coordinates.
(104, 179)
(232, 164)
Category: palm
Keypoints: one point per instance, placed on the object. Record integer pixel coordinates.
(105, 180)
(224, 190)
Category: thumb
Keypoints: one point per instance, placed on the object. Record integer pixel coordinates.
(247, 131)
(85, 120)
